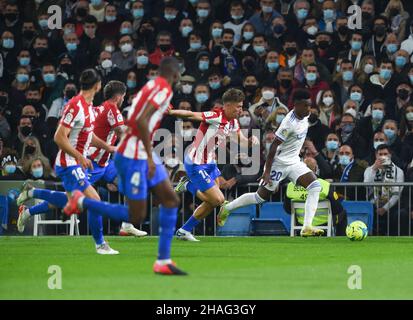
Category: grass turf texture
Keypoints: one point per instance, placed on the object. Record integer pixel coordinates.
(219, 268)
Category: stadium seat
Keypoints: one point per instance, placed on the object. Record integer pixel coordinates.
(359, 210)
(239, 222)
(322, 206)
(272, 220)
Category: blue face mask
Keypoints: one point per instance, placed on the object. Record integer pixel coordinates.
(137, 13)
(348, 75)
(311, 76)
(24, 61)
(214, 85)
(203, 65)
(259, 49)
(272, 66)
(392, 47)
(37, 172)
(43, 23)
(355, 96)
(22, 78)
(237, 17)
(390, 133)
(377, 115)
(201, 97)
(328, 14)
(8, 43)
(49, 77)
(131, 84)
(125, 31)
(195, 45)
(302, 14)
(279, 118)
(344, 160)
(142, 60)
(400, 61)
(411, 78)
(332, 145)
(71, 46)
(10, 168)
(186, 31)
(248, 35)
(348, 128)
(202, 13)
(216, 32)
(96, 3)
(110, 18)
(385, 74)
(170, 17)
(356, 45)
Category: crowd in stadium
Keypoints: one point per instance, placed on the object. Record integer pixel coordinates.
(361, 80)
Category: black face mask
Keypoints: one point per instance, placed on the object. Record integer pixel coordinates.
(249, 64)
(394, 12)
(26, 130)
(30, 149)
(164, 47)
(33, 102)
(380, 31)
(286, 83)
(250, 88)
(70, 93)
(3, 101)
(291, 51)
(312, 118)
(81, 12)
(11, 16)
(227, 44)
(343, 30)
(403, 94)
(28, 34)
(68, 68)
(33, 119)
(366, 16)
(41, 51)
(323, 45)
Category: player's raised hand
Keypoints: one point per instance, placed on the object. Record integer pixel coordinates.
(151, 168)
(85, 163)
(265, 178)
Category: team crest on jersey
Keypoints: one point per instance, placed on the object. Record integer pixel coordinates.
(119, 117)
(209, 114)
(68, 117)
(284, 132)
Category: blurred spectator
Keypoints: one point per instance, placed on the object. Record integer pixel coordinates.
(164, 47)
(317, 132)
(24, 130)
(38, 168)
(349, 136)
(329, 108)
(9, 169)
(373, 123)
(331, 151)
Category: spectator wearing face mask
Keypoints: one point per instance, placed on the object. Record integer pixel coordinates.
(109, 28)
(164, 47)
(376, 43)
(285, 87)
(352, 107)
(39, 125)
(368, 66)
(274, 119)
(202, 98)
(404, 97)
(90, 40)
(108, 70)
(9, 168)
(125, 57)
(344, 80)
(398, 18)
(317, 132)
(391, 130)
(356, 94)
(185, 90)
(24, 130)
(349, 136)
(349, 169)
(201, 66)
(385, 198)
(53, 84)
(368, 126)
(31, 148)
(406, 131)
(330, 151)
(330, 110)
(38, 168)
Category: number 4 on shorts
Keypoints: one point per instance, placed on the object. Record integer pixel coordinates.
(136, 179)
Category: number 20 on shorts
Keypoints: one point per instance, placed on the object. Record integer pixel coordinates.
(276, 176)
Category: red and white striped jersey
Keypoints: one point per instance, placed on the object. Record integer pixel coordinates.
(77, 115)
(212, 133)
(158, 93)
(107, 118)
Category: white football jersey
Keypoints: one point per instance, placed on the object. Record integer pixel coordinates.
(292, 132)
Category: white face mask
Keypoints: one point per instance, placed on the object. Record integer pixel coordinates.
(352, 112)
(125, 48)
(312, 30)
(245, 121)
(187, 88)
(368, 68)
(328, 101)
(109, 48)
(106, 64)
(268, 95)
(187, 133)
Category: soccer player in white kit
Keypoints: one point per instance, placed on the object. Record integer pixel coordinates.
(283, 162)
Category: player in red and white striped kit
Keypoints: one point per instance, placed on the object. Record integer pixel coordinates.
(201, 168)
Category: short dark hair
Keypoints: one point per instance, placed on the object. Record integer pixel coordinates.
(168, 66)
(88, 79)
(90, 19)
(113, 88)
(382, 147)
(233, 95)
(301, 94)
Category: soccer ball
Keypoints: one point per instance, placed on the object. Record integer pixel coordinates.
(357, 231)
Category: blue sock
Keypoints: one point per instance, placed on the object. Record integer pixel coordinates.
(116, 212)
(96, 227)
(56, 198)
(167, 223)
(191, 187)
(42, 207)
(190, 224)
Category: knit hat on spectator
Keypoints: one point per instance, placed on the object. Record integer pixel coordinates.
(203, 54)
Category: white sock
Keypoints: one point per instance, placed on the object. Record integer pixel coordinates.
(164, 262)
(245, 200)
(311, 203)
(80, 203)
(185, 185)
(126, 225)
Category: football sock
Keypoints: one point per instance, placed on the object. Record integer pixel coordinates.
(56, 198)
(244, 200)
(311, 203)
(116, 212)
(96, 227)
(39, 208)
(167, 223)
(190, 224)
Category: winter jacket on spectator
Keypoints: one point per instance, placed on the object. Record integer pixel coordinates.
(355, 174)
(314, 90)
(366, 127)
(156, 56)
(124, 61)
(317, 133)
(374, 89)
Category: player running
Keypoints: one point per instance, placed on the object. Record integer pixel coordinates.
(200, 165)
(107, 126)
(289, 139)
(139, 169)
(73, 136)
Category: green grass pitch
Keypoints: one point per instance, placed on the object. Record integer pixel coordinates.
(219, 268)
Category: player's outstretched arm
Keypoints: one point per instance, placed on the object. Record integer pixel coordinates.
(62, 141)
(270, 158)
(244, 141)
(100, 144)
(185, 114)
